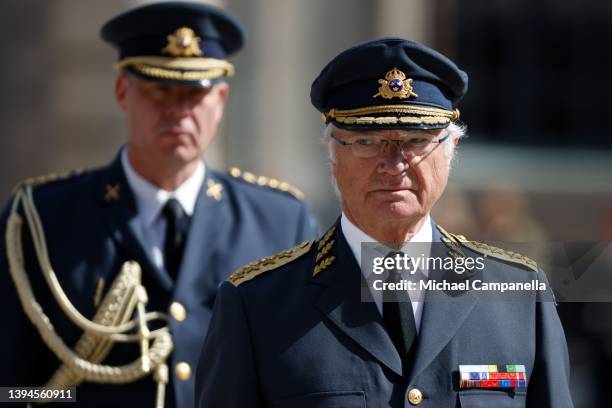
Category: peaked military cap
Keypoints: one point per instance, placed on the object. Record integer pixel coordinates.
(175, 41)
(389, 83)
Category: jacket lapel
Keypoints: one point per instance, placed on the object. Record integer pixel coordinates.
(341, 303)
(442, 316)
(207, 223)
(121, 217)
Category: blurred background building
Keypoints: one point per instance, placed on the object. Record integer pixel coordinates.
(537, 164)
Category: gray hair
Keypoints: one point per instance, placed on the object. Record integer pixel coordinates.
(457, 130)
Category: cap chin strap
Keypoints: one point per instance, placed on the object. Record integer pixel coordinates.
(111, 323)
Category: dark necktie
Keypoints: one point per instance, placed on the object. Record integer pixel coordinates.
(399, 318)
(177, 228)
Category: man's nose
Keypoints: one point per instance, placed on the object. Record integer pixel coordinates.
(393, 160)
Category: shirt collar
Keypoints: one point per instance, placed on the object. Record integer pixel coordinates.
(150, 199)
(354, 236)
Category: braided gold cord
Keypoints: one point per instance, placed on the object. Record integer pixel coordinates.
(405, 109)
(110, 324)
(163, 73)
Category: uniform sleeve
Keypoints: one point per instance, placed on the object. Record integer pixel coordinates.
(307, 225)
(549, 383)
(226, 375)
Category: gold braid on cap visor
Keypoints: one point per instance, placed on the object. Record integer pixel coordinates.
(358, 116)
(183, 69)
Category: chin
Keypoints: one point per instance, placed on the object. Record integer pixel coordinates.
(178, 149)
(187, 157)
(399, 210)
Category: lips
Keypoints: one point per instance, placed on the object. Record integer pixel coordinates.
(391, 191)
(394, 185)
(175, 130)
(397, 187)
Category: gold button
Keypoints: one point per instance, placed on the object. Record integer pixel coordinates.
(415, 397)
(183, 371)
(178, 311)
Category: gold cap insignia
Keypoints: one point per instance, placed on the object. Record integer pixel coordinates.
(183, 43)
(395, 85)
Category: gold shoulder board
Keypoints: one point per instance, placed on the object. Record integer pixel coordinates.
(48, 178)
(256, 268)
(492, 251)
(266, 182)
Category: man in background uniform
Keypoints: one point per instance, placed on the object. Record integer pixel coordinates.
(293, 330)
(186, 226)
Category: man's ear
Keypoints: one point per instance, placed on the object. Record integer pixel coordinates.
(456, 140)
(121, 90)
(222, 92)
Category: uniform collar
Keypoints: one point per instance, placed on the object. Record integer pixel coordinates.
(355, 237)
(150, 199)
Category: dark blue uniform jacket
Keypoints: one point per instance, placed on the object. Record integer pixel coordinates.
(90, 234)
(299, 336)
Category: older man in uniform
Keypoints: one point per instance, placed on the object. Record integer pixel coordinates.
(100, 323)
(295, 329)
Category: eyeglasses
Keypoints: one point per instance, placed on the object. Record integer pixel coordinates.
(414, 144)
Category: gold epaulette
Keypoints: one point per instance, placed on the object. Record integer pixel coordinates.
(266, 181)
(48, 178)
(256, 268)
(492, 251)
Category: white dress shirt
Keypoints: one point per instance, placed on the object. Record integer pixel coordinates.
(150, 200)
(354, 236)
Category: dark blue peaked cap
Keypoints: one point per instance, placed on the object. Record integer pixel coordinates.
(389, 83)
(175, 41)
